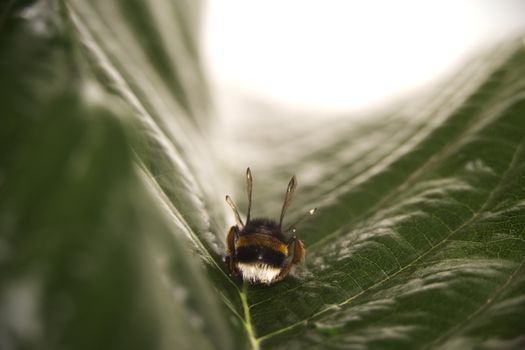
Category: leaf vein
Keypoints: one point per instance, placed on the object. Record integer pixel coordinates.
(487, 201)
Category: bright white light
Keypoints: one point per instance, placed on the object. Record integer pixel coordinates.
(345, 55)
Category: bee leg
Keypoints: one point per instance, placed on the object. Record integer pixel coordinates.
(233, 234)
(298, 256)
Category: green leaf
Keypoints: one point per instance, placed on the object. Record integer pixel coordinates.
(423, 248)
(91, 256)
(112, 220)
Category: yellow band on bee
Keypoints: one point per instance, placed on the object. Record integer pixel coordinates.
(256, 239)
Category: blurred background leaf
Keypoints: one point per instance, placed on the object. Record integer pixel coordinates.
(91, 256)
(112, 218)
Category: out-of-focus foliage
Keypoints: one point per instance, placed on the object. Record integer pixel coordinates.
(111, 219)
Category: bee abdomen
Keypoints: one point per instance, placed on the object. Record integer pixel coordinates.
(260, 255)
(261, 248)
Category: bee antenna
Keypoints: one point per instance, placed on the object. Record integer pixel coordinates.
(303, 218)
(249, 184)
(289, 193)
(235, 211)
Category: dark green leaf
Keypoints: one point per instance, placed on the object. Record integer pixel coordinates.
(112, 218)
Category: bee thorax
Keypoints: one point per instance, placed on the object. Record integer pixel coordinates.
(258, 272)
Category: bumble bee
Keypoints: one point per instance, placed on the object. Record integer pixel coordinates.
(258, 250)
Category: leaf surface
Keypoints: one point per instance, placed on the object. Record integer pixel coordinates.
(111, 199)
